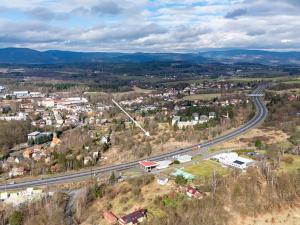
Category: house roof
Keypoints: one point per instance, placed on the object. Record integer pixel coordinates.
(110, 217)
(133, 217)
(34, 133)
(203, 117)
(148, 163)
(191, 190)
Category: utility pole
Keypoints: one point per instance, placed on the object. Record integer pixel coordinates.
(133, 120)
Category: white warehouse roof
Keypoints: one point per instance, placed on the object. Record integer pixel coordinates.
(234, 160)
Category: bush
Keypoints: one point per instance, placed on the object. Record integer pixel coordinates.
(16, 218)
(176, 162)
(180, 180)
(258, 143)
(98, 190)
(112, 179)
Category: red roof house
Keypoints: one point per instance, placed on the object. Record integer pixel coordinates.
(148, 165)
(292, 98)
(193, 192)
(133, 218)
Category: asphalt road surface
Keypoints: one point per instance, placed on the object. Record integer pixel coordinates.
(261, 113)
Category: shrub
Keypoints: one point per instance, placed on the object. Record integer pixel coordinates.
(176, 162)
(258, 143)
(98, 190)
(180, 180)
(16, 218)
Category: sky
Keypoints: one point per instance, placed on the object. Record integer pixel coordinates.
(150, 25)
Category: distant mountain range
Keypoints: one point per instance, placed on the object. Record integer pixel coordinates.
(30, 56)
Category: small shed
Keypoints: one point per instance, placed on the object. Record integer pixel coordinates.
(110, 217)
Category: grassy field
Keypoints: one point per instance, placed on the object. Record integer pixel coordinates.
(289, 167)
(136, 90)
(295, 81)
(287, 91)
(235, 79)
(206, 168)
(204, 97)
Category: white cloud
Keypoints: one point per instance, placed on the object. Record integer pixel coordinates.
(165, 25)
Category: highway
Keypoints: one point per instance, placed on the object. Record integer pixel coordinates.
(261, 113)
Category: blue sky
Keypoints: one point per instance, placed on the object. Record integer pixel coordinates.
(150, 25)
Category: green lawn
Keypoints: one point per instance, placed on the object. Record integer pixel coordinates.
(205, 168)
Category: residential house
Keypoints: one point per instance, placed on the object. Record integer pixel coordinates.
(195, 116)
(104, 139)
(292, 98)
(16, 171)
(4, 196)
(175, 120)
(162, 180)
(21, 94)
(96, 155)
(211, 115)
(36, 95)
(133, 218)
(87, 160)
(37, 137)
(33, 135)
(193, 192)
(203, 119)
(184, 124)
(48, 103)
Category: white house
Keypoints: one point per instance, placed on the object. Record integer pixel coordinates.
(36, 94)
(4, 196)
(21, 94)
(2, 88)
(233, 160)
(203, 119)
(162, 180)
(48, 103)
(175, 120)
(211, 115)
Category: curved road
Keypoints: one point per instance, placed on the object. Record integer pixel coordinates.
(261, 113)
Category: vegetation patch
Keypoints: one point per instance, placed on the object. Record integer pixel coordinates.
(206, 169)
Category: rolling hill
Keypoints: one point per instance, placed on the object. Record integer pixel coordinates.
(30, 56)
